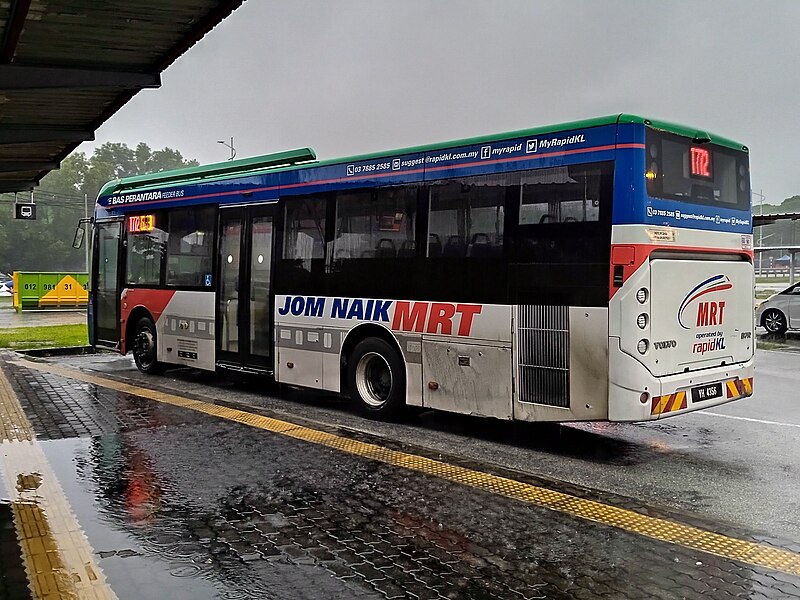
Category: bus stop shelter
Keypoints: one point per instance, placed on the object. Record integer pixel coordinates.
(67, 66)
(791, 250)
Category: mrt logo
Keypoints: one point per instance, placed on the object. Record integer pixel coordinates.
(710, 313)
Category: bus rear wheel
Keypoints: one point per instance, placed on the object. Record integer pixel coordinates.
(376, 379)
(145, 347)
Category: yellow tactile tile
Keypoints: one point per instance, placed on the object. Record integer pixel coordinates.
(57, 556)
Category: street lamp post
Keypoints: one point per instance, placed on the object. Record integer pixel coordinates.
(230, 146)
(760, 227)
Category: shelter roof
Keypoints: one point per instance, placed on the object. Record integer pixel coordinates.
(66, 66)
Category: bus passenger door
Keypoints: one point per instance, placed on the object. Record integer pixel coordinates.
(105, 292)
(244, 307)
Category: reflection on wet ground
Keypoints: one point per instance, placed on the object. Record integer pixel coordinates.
(13, 582)
(180, 504)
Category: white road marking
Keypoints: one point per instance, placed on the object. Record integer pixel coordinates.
(713, 414)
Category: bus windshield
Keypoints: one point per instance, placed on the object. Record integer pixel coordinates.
(680, 169)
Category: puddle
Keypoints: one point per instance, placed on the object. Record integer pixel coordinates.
(132, 569)
(13, 581)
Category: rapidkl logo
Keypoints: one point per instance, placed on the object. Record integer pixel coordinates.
(708, 312)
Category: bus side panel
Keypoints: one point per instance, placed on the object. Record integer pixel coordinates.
(468, 378)
(585, 355)
(311, 357)
(311, 332)
(186, 330)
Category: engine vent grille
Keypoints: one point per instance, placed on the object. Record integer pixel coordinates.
(543, 348)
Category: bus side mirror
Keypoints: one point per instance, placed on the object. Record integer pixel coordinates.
(77, 241)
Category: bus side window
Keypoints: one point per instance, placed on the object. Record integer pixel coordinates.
(560, 195)
(375, 224)
(560, 208)
(304, 230)
(467, 216)
(190, 245)
(144, 253)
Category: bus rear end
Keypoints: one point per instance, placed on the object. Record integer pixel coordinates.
(681, 283)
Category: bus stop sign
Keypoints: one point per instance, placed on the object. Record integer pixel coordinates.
(25, 211)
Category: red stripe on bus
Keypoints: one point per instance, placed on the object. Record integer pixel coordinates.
(155, 301)
(643, 251)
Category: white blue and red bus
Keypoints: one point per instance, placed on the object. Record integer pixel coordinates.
(595, 270)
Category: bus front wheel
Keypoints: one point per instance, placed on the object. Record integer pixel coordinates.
(376, 379)
(145, 347)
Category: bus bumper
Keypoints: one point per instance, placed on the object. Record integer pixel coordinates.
(634, 394)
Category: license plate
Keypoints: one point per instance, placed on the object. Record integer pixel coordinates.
(706, 392)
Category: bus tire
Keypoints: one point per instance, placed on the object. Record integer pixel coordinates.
(774, 321)
(145, 347)
(376, 379)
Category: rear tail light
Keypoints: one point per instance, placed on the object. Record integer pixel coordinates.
(642, 295)
(642, 346)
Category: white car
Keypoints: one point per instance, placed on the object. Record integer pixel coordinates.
(780, 311)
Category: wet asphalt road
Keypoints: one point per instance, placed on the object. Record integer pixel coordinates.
(182, 505)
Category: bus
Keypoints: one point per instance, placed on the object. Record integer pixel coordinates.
(593, 270)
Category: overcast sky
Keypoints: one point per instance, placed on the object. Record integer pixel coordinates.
(354, 76)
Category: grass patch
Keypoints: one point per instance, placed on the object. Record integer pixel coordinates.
(769, 346)
(51, 336)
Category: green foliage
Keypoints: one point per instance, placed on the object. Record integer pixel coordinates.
(79, 175)
(789, 205)
(46, 243)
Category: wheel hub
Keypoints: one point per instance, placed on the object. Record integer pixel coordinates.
(374, 379)
(144, 347)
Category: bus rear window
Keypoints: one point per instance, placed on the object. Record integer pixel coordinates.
(679, 169)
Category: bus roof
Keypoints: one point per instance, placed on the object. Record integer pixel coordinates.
(294, 159)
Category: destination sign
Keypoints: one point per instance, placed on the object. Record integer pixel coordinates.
(141, 223)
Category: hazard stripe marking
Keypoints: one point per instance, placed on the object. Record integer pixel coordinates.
(672, 532)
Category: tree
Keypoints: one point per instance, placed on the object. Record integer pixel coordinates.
(46, 243)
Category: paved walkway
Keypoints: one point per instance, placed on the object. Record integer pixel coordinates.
(183, 497)
(9, 318)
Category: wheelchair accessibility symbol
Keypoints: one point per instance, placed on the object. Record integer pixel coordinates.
(207, 280)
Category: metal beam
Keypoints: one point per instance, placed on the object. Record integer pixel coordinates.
(13, 77)
(16, 185)
(759, 220)
(32, 135)
(18, 12)
(791, 248)
(21, 166)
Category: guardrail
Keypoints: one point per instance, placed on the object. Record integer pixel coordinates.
(38, 291)
(774, 272)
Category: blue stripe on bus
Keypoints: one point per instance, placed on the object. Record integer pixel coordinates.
(569, 147)
(631, 205)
